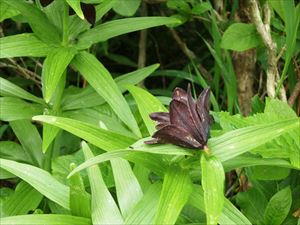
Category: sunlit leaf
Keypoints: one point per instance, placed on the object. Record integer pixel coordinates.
(40, 179)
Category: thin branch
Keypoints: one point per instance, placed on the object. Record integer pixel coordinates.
(143, 40)
(296, 90)
(264, 30)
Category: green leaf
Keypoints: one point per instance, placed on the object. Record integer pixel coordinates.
(88, 97)
(7, 11)
(31, 141)
(147, 104)
(212, 180)
(240, 37)
(75, 4)
(144, 211)
(201, 8)
(126, 8)
(103, 8)
(229, 215)
(175, 193)
(269, 173)
(125, 182)
(23, 45)
(278, 207)
(252, 204)
(24, 199)
(45, 219)
(104, 208)
(252, 160)
(103, 139)
(115, 28)
(13, 151)
(9, 89)
(54, 65)
(79, 198)
(16, 109)
(167, 150)
(38, 21)
(40, 179)
(239, 141)
(100, 79)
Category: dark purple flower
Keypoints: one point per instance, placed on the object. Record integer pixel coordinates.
(188, 122)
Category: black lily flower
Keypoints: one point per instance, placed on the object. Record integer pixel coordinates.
(188, 122)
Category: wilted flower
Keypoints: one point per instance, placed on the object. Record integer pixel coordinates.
(187, 124)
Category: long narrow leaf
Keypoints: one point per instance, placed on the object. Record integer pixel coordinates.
(24, 199)
(28, 135)
(212, 180)
(54, 65)
(126, 182)
(88, 97)
(229, 215)
(115, 28)
(40, 179)
(37, 19)
(144, 211)
(23, 45)
(104, 139)
(239, 141)
(147, 104)
(16, 109)
(101, 80)
(104, 209)
(45, 219)
(9, 89)
(175, 193)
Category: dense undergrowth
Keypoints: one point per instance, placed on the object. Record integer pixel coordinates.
(78, 84)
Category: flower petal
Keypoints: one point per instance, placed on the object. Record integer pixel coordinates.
(176, 135)
(203, 111)
(181, 117)
(161, 117)
(196, 119)
(180, 95)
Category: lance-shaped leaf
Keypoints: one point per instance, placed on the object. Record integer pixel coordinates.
(54, 65)
(38, 21)
(100, 79)
(23, 45)
(212, 180)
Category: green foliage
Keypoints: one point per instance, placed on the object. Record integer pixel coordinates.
(64, 80)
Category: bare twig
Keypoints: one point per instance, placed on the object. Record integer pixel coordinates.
(22, 71)
(143, 41)
(264, 31)
(296, 90)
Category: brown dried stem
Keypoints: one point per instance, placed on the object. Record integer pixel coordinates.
(263, 29)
